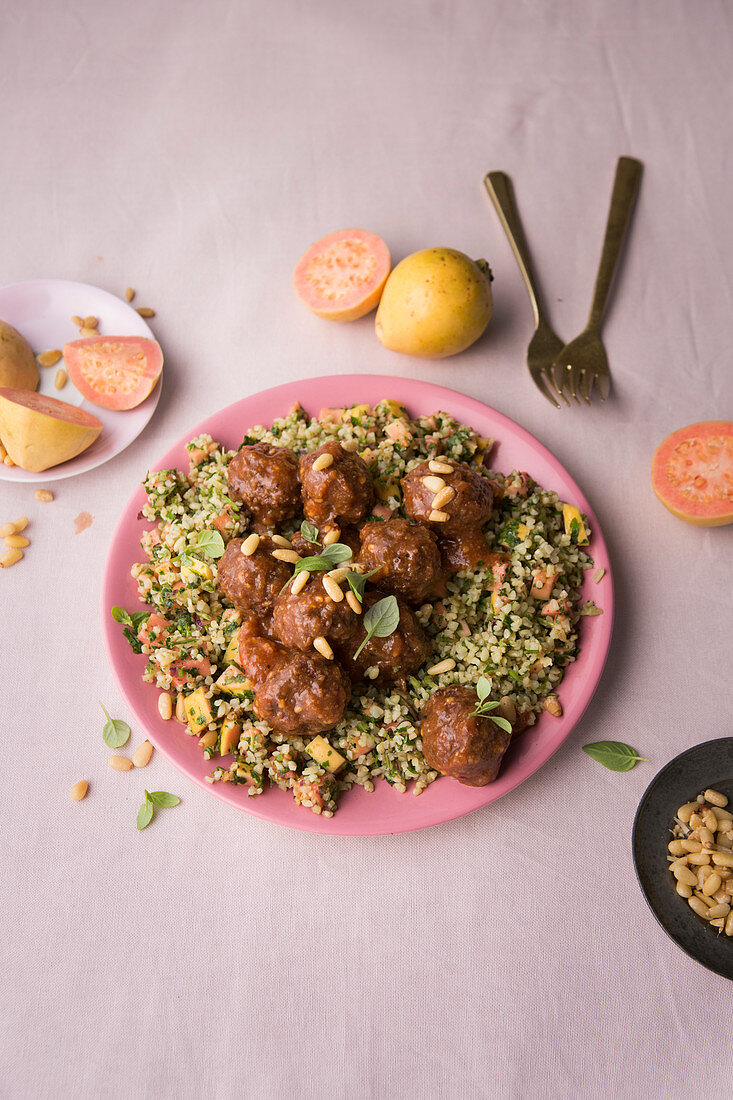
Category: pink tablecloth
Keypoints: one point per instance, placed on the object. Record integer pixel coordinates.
(193, 151)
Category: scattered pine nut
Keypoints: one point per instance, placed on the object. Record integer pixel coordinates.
(598, 575)
(16, 541)
(553, 706)
(165, 706)
(91, 322)
(49, 358)
(300, 582)
(209, 739)
(291, 556)
(77, 320)
(60, 379)
(438, 517)
(331, 536)
(715, 798)
(120, 763)
(282, 542)
(332, 589)
(145, 311)
(339, 575)
(7, 529)
(443, 497)
(442, 666)
(129, 294)
(43, 494)
(142, 754)
(353, 602)
(434, 484)
(350, 446)
(20, 524)
(323, 462)
(79, 790)
(321, 645)
(181, 708)
(10, 557)
(85, 333)
(436, 467)
(250, 544)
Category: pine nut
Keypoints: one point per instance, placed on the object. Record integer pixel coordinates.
(554, 706)
(181, 708)
(720, 910)
(442, 666)
(142, 754)
(16, 541)
(332, 589)
(434, 484)
(129, 294)
(300, 582)
(438, 517)
(699, 859)
(7, 529)
(705, 900)
(445, 496)
(436, 467)
(706, 836)
(339, 575)
(350, 446)
(79, 790)
(323, 461)
(250, 544)
(91, 322)
(20, 524)
(43, 494)
(685, 812)
(684, 874)
(729, 924)
(10, 557)
(209, 739)
(331, 536)
(676, 848)
(722, 815)
(715, 798)
(691, 845)
(684, 890)
(717, 923)
(165, 706)
(120, 763)
(723, 859)
(60, 379)
(85, 332)
(721, 895)
(49, 358)
(353, 602)
(77, 320)
(712, 885)
(145, 311)
(291, 556)
(282, 542)
(321, 645)
(709, 819)
(698, 906)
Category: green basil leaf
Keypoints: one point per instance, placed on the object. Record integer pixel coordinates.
(120, 616)
(337, 552)
(483, 687)
(614, 755)
(163, 800)
(210, 544)
(381, 620)
(138, 618)
(357, 583)
(502, 723)
(309, 532)
(137, 646)
(115, 732)
(331, 556)
(145, 814)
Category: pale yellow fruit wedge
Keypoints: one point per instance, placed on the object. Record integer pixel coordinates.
(39, 432)
(18, 366)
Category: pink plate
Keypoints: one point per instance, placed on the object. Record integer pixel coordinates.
(385, 810)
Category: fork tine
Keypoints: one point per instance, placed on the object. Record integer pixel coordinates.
(562, 375)
(539, 380)
(554, 386)
(604, 385)
(586, 384)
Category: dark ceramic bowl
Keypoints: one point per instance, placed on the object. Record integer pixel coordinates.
(705, 766)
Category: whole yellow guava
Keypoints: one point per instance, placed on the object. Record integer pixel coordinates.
(435, 303)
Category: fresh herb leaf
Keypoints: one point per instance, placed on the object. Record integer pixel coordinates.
(486, 705)
(247, 441)
(137, 646)
(332, 555)
(381, 620)
(132, 624)
(309, 532)
(614, 755)
(210, 544)
(483, 687)
(514, 675)
(162, 799)
(502, 723)
(357, 583)
(145, 813)
(115, 733)
(121, 616)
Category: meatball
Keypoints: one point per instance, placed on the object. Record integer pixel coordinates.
(259, 655)
(457, 742)
(458, 521)
(303, 695)
(402, 652)
(252, 583)
(468, 550)
(311, 613)
(405, 556)
(341, 493)
(348, 535)
(265, 477)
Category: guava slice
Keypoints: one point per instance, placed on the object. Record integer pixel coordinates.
(692, 473)
(18, 368)
(115, 372)
(39, 432)
(341, 277)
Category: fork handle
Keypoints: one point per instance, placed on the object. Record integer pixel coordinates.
(625, 186)
(501, 193)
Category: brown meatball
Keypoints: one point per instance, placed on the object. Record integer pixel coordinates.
(311, 613)
(259, 655)
(469, 508)
(457, 742)
(406, 558)
(252, 583)
(265, 477)
(349, 536)
(342, 493)
(304, 694)
(394, 656)
(466, 551)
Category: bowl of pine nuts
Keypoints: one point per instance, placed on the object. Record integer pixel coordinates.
(682, 845)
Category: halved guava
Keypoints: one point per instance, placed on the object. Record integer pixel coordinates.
(692, 473)
(116, 372)
(18, 369)
(39, 432)
(341, 277)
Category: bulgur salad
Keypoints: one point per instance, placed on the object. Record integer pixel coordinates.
(508, 621)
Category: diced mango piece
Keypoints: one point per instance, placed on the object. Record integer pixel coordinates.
(198, 710)
(357, 411)
(231, 653)
(574, 525)
(325, 755)
(230, 733)
(482, 446)
(386, 488)
(195, 568)
(233, 682)
(249, 775)
(393, 408)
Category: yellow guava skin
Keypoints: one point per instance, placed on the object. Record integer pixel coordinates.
(18, 367)
(436, 303)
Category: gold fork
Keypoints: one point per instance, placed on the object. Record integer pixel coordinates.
(584, 361)
(545, 346)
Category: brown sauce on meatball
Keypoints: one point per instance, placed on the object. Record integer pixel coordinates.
(265, 478)
(458, 520)
(457, 742)
(252, 583)
(339, 494)
(394, 656)
(405, 556)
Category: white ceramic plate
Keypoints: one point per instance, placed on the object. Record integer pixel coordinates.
(41, 310)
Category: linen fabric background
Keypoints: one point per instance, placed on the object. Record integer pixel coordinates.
(194, 151)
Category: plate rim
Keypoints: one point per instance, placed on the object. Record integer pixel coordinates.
(57, 473)
(443, 396)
